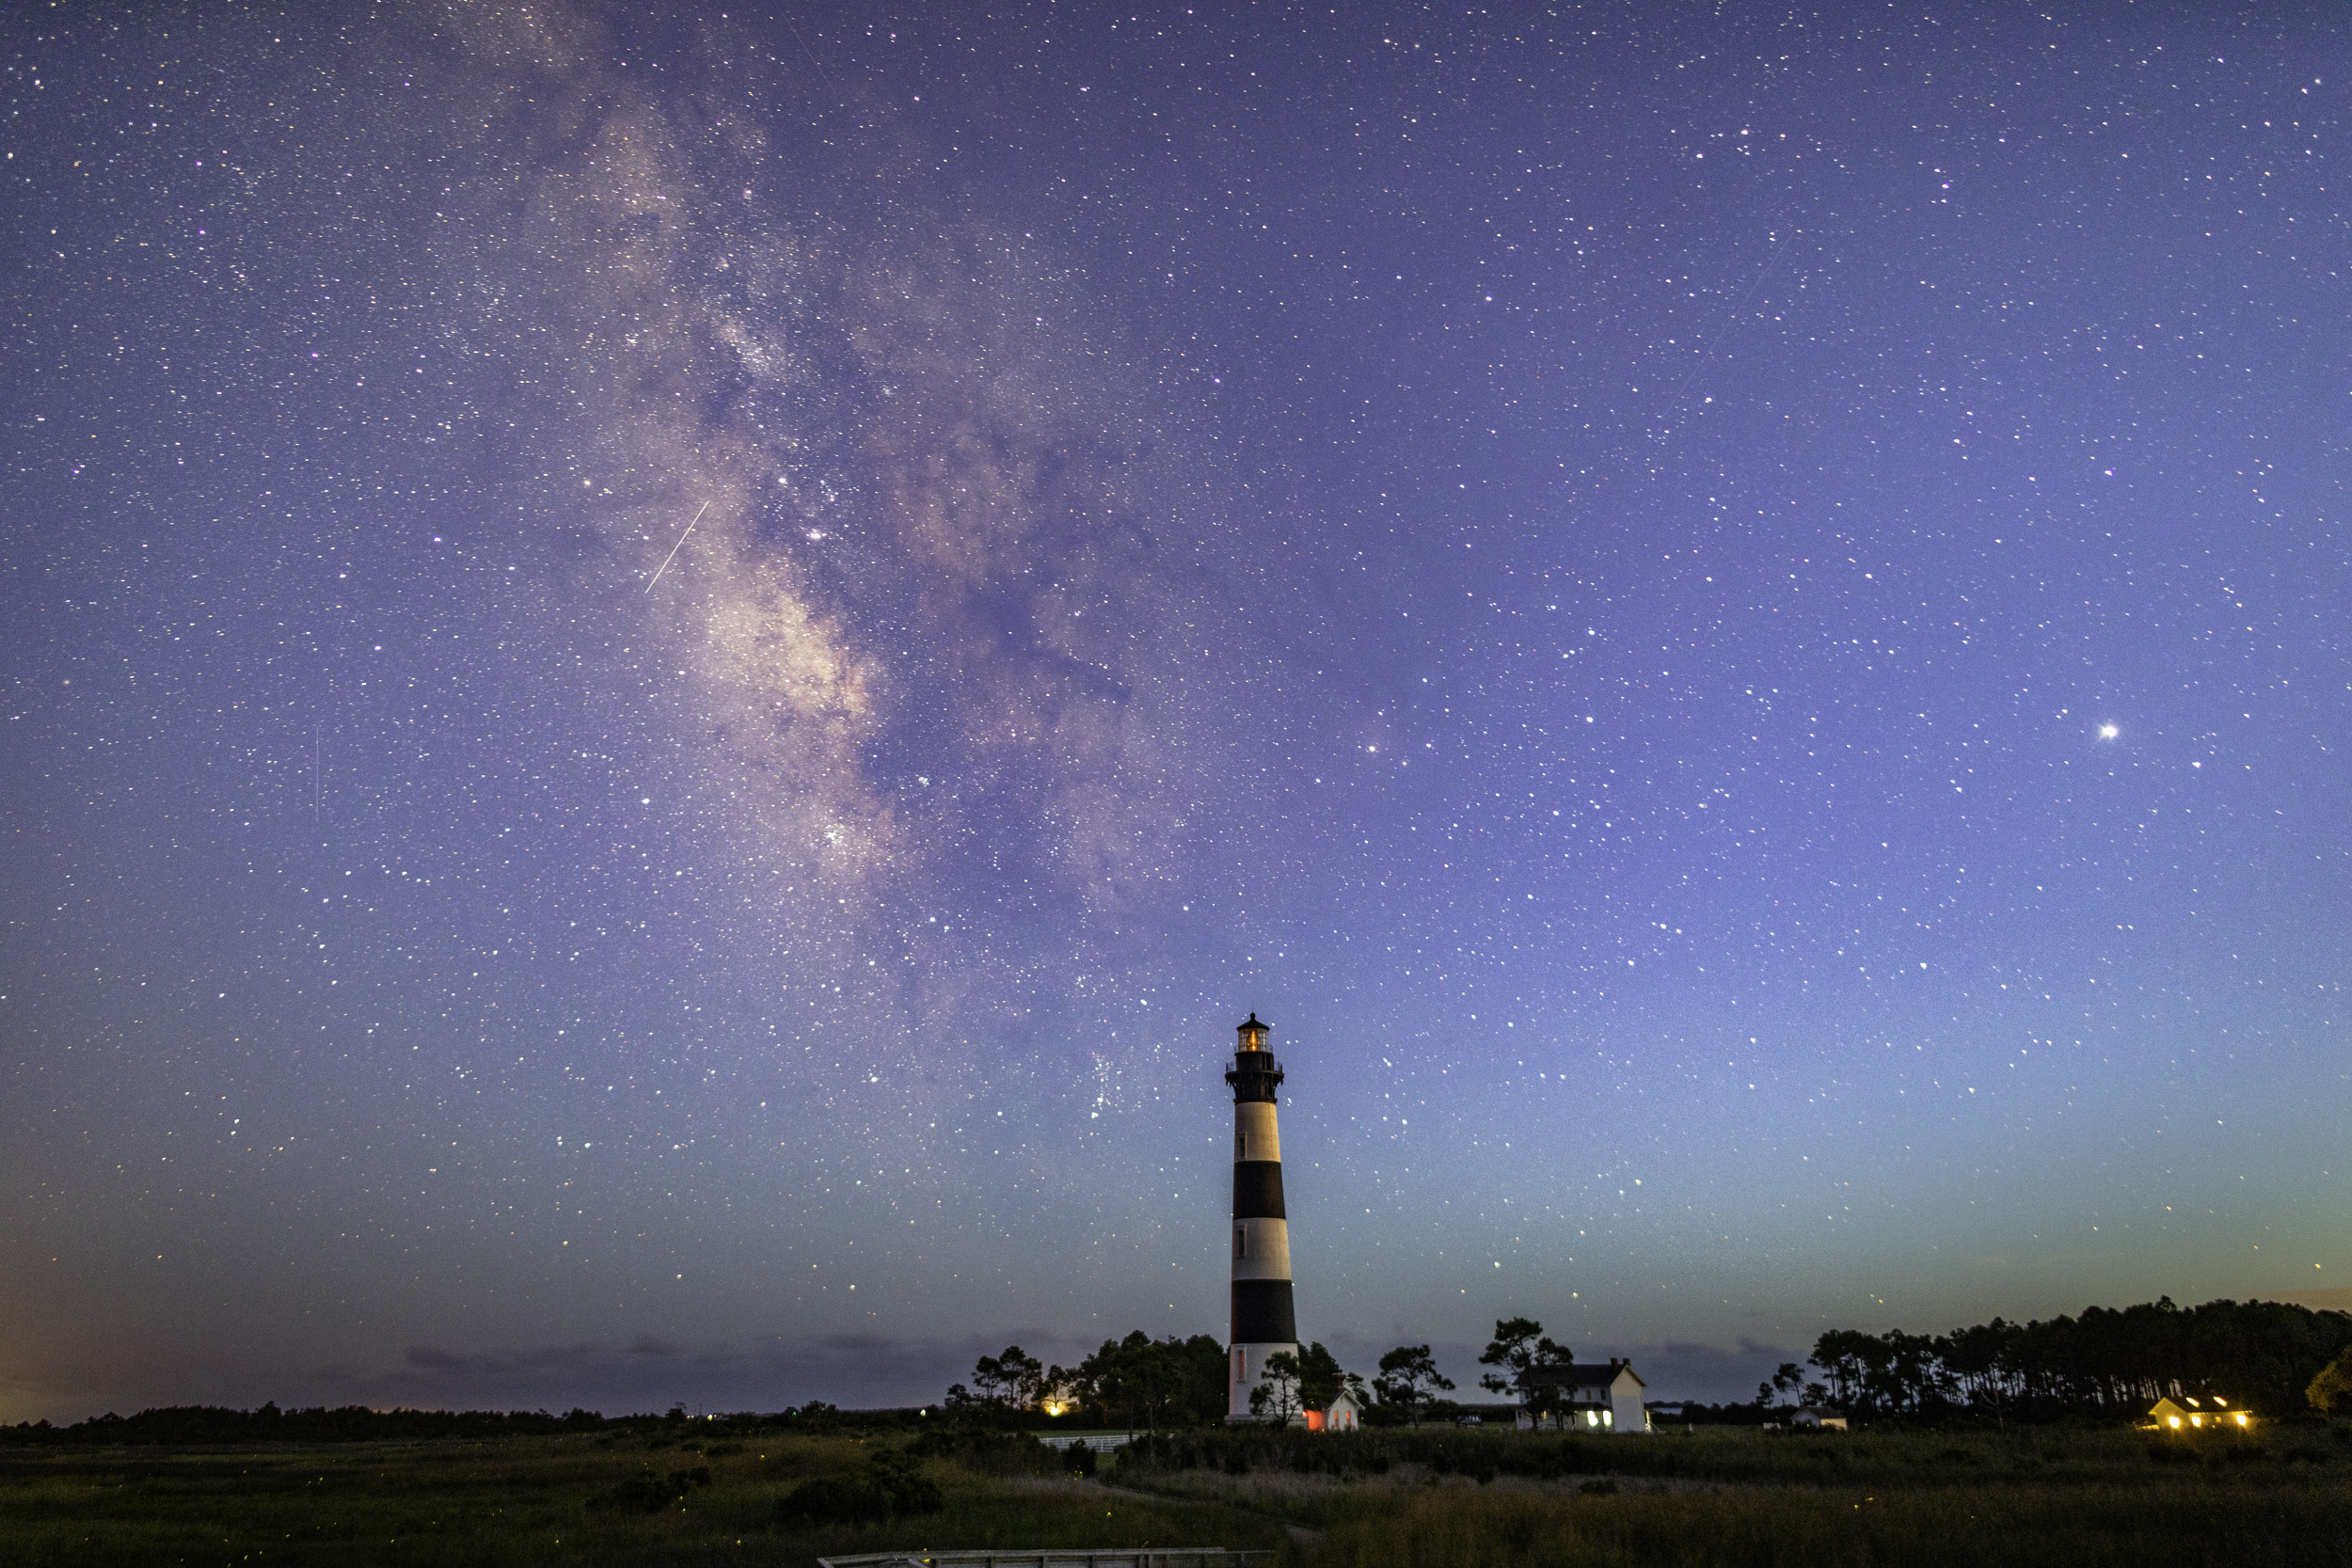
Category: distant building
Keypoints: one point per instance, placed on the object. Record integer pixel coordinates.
(1343, 1414)
(1820, 1417)
(1592, 1396)
(1339, 1416)
(2187, 1414)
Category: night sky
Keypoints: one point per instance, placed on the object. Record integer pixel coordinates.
(1732, 621)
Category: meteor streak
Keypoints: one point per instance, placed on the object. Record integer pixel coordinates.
(679, 546)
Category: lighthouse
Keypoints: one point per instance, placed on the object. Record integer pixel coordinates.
(1263, 1322)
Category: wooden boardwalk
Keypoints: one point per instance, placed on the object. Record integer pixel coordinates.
(1155, 1557)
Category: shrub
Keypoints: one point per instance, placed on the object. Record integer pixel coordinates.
(650, 1494)
(985, 1452)
(890, 1485)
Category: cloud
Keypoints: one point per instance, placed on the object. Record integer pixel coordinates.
(646, 1373)
(437, 1361)
(1685, 1369)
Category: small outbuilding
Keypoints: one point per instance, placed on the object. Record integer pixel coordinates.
(1341, 1415)
(2188, 1413)
(1819, 1416)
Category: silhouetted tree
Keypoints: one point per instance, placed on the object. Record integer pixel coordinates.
(1013, 1380)
(1529, 1365)
(1410, 1378)
(2332, 1386)
(1321, 1378)
(1278, 1395)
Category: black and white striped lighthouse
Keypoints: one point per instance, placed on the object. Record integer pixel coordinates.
(1263, 1322)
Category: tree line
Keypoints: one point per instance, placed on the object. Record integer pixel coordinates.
(174, 1425)
(2263, 1355)
(2272, 1356)
(1148, 1384)
(196, 1425)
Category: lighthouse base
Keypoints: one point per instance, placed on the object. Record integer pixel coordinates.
(1245, 1369)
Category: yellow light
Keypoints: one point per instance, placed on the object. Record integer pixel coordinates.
(2174, 1419)
(2241, 1417)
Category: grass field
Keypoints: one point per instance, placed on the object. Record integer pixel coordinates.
(531, 1500)
(2071, 1497)
(2077, 1498)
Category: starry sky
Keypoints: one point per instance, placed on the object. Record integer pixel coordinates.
(668, 675)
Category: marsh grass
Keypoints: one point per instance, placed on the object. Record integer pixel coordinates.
(2072, 1498)
(1311, 1464)
(2147, 1526)
(468, 1504)
(2068, 1498)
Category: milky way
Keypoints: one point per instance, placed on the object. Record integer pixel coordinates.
(1732, 625)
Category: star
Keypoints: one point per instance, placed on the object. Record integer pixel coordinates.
(2108, 732)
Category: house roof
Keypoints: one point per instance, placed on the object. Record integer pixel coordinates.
(1585, 1374)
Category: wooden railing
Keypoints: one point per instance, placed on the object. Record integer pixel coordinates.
(1142, 1556)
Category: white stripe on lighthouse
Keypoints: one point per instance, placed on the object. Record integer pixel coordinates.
(1255, 1136)
(1261, 1249)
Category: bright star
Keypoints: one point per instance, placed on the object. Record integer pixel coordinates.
(2108, 732)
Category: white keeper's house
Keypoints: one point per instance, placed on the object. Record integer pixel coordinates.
(1595, 1397)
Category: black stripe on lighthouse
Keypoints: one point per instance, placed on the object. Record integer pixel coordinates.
(1263, 1312)
(1258, 1190)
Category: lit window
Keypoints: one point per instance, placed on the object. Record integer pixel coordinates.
(2174, 1419)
